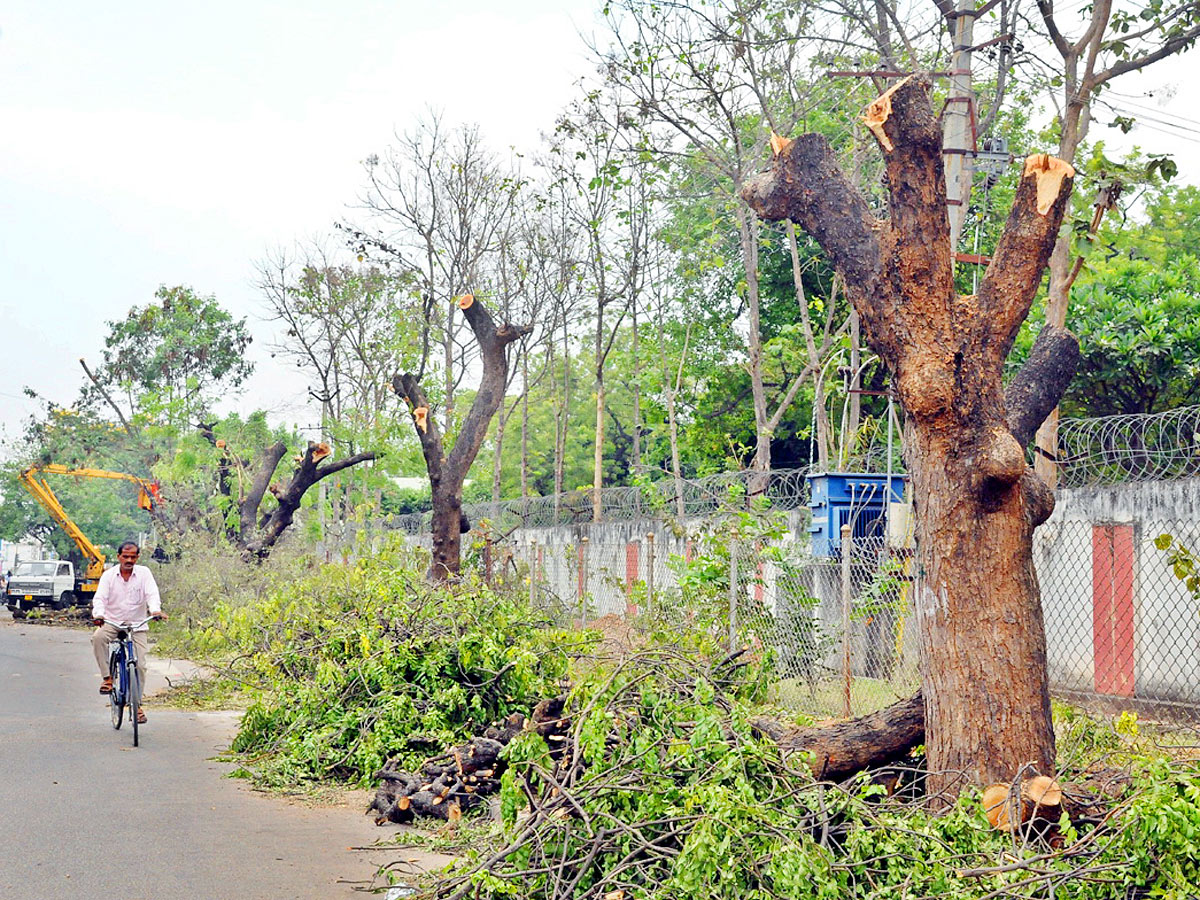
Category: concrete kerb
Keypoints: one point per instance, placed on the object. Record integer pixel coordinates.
(162, 673)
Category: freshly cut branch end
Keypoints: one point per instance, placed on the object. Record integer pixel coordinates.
(995, 806)
(421, 417)
(321, 451)
(879, 110)
(1049, 172)
(465, 301)
(779, 143)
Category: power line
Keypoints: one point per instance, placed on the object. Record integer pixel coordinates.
(1143, 117)
(1158, 112)
(1174, 134)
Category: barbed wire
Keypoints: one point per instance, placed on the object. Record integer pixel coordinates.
(1129, 448)
(1096, 451)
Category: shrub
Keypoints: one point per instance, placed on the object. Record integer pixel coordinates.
(356, 663)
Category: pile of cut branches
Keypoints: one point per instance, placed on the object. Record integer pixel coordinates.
(665, 789)
(356, 666)
(448, 785)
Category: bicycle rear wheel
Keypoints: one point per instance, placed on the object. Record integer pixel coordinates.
(135, 698)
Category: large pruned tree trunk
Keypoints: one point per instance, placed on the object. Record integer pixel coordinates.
(983, 659)
(447, 472)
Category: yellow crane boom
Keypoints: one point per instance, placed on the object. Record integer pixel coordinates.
(41, 491)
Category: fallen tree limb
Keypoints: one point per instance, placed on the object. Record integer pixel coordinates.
(451, 783)
(841, 749)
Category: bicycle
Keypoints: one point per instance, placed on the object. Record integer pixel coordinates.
(122, 665)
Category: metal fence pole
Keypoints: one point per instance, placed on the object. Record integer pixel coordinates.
(583, 580)
(650, 571)
(733, 592)
(846, 674)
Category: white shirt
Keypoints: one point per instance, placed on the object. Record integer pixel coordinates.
(119, 600)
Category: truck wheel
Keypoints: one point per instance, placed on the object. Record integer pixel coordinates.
(65, 601)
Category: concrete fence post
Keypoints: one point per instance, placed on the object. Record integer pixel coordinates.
(650, 571)
(847, 676)
(733, 593)
(533, 573)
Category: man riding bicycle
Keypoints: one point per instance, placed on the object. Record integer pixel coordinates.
(126, 593)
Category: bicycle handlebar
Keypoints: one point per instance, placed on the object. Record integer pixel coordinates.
(131, 625)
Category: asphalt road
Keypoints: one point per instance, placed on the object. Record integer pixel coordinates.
(83, 814)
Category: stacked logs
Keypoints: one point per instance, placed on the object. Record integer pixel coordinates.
(448, 785)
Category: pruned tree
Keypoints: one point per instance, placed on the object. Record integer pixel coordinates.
(983, 661)
(312, 466)
(454, 212)
(447, 471)
(246, 484)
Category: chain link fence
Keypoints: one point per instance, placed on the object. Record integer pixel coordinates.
(839, 632)
(1122, 621)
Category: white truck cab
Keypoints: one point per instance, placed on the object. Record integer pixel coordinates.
(49, 582)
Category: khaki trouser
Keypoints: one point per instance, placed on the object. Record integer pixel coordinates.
(106, 634)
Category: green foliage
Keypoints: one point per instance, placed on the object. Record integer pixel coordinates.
(675, 798)
(171, 358)
(1139, 331)
(884, 593)
(1184, 563)
(1172, 225)
(355, 664)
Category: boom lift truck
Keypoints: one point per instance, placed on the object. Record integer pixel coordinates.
(56, 582)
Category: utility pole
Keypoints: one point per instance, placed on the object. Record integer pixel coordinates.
(958, 129)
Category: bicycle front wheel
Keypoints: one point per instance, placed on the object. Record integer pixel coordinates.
(116, 700)
(135, 700)
(116, 705)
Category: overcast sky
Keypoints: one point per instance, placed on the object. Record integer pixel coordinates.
(167, 143)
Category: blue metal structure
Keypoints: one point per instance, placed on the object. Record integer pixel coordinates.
(859, 500)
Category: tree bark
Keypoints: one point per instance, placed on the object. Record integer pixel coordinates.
(249, 504)
(841, 749)
(983, 661)
(761, 465)
(447, 472)
(309, 471)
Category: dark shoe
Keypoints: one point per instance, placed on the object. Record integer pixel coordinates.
(141, 720)
(106, 685)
